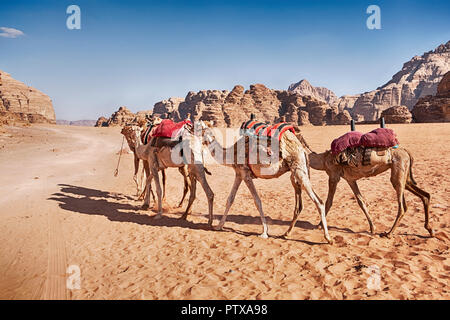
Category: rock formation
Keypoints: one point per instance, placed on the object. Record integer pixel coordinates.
(19, 102)
(304, 88)
(419, 77)
(101, 122)
(122, 117)
(231, 108)
(434, 108)
(397, 114)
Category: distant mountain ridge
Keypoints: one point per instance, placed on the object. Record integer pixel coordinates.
(303, 103)
(83, 123)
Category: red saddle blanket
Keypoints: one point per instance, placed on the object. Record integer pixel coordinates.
(262, 129)
(167, 128)
(381, 138)
(349, 140)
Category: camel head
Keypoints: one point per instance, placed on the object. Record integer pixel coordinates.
(132, 134)
(206, 131)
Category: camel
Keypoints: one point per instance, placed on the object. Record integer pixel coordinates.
(133, 136)
(401, 179)
(161, 157)
(293, 159)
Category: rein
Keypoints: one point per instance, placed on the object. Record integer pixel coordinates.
(120, 155)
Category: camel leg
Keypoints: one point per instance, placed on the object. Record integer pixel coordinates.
(191, 196)
(164, 186)
(398, 182)
(362, 203)
(154, 172)
(298, 205)
(425, 197)
(187, 184)
(230, 200)
(251, 186)
(200, 175)
(136, 171)
(302, 178)
(332, 184)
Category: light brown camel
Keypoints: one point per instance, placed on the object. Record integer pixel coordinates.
(162, 157)
(292, 157)
(133, 136)
(401, 178)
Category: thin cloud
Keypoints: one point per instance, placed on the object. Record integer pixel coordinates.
(10, 32)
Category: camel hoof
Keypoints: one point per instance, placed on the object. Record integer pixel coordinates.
(385, 235)
(145, 206)
(330, 241)
(264, 236)
(217, 228)
(285, 235)
(319, 226)
(183, 217)
(431, 231)
(158, 216)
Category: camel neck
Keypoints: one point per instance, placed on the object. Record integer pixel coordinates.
(316, 160)
(218, 152)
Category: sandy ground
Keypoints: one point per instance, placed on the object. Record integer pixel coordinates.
(61, 207)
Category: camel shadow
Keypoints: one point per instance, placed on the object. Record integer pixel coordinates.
(96, 202)
(116, 207)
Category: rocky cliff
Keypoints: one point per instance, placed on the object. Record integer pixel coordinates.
(19, 102)
(231, 108)
(419, 77)
(435, 108)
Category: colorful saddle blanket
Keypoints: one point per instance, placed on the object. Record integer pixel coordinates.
(146, 135)
(169, 129)
(261, 129)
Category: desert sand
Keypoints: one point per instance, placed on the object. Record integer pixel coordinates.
(61, 206)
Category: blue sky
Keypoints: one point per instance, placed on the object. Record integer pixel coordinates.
(136, 53)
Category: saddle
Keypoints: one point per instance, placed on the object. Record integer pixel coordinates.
(355, 157)
(160, 142)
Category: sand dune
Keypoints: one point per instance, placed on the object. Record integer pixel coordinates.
(62, 206)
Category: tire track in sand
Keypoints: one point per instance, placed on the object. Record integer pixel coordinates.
(55, 288)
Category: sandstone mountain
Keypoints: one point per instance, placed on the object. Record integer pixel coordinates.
(19, 102)
(231, 108)
(122, 117)
(304, 88)
(435, 108)
(305, 104)
(419, 77)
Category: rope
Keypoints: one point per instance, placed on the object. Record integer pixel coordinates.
(120, 155)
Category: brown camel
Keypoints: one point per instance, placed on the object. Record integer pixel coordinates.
(162, 157)
(133, 136)
(292, 157)
(398, 160)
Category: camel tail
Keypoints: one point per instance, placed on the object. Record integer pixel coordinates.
(411, 161)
